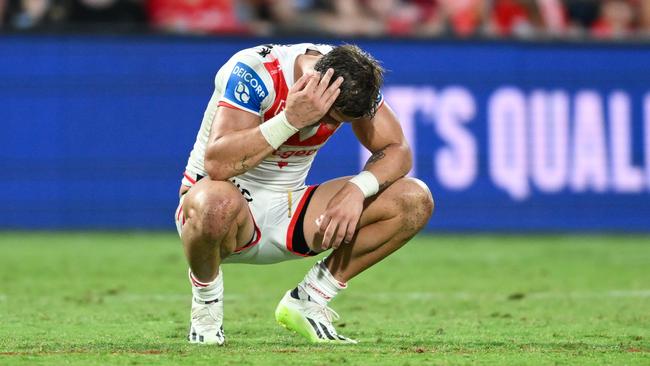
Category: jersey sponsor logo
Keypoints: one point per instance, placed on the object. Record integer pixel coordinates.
(246, 88)
(297, 153)
(242, 93)
(250, 77)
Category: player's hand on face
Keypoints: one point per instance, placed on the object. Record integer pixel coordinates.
(311, 97)
(338, 224)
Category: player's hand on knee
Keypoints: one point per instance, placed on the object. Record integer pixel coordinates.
(338, 224)
(311, 97)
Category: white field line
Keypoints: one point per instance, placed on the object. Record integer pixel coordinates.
(174, 297)
(593, 295)
(532, 295)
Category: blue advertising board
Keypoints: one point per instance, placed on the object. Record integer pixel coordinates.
(509, 136)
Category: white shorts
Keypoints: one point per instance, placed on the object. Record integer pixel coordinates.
(278, 218)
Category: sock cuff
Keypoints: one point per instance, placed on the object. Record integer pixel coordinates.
(319, 285)
(207, 292)
(330, 278)
(196, 283)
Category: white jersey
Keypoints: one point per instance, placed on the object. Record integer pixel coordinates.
(257, 80)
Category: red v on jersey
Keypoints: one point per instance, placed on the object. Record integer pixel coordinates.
(280, 86)
(318, 136)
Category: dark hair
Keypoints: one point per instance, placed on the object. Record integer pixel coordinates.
(362, 76)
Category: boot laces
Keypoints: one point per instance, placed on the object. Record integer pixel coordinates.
(323, 312)
(207, 315)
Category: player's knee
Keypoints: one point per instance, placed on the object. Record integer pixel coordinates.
(212, 207)
(415, 202)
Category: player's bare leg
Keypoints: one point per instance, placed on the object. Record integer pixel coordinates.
(387, 222)
(217, 222)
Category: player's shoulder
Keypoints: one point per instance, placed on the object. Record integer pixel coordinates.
(255, 54)
(245, 82)
(256, 57)
(265, 52)
(255, 77)
(249, 59)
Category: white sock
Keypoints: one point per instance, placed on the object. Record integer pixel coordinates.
(207, 291)
(319, 285)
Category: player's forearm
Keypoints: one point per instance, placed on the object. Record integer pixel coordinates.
(236, 153)
(390, 163)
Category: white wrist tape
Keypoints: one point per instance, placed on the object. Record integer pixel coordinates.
(277, 130)
(367, 183)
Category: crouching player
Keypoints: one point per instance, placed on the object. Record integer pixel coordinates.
(243, 197)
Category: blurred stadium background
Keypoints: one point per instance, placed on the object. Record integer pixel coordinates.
(525, 116)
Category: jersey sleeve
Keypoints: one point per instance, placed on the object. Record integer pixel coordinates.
(245, 86)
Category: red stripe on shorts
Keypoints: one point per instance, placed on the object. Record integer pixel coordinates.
(189, 179)
(294, 219)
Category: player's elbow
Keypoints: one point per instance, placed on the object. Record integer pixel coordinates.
(216, 162)
(217, 170)
(406, 157)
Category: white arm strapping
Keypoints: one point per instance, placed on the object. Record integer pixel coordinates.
(277, 130)
(367, 183)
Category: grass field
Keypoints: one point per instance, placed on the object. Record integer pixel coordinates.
(97, 299)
